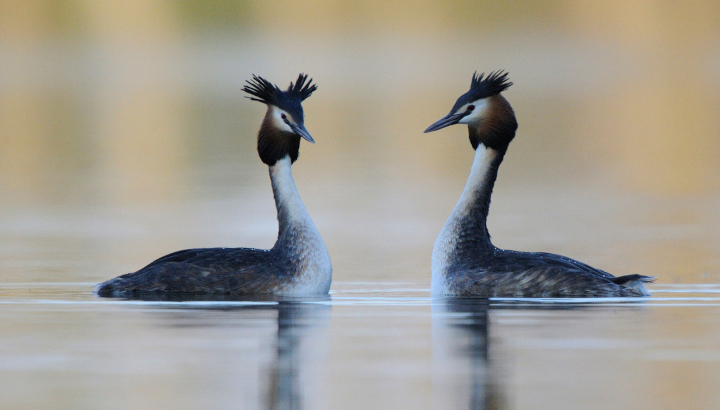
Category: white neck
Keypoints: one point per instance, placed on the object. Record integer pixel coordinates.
(291, 210)
(484, 156)
(447, 240)
(298, 238)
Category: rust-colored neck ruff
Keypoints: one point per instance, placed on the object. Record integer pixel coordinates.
(274, 144)
(497, 128)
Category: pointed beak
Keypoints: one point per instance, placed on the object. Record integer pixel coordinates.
(445, 121)
(300, 130)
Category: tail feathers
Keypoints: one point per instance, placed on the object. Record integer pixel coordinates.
(635, 283)
(621, 280)
(107, 289)
(103, 289)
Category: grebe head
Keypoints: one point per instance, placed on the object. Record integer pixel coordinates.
(283, 125)
(489, 116)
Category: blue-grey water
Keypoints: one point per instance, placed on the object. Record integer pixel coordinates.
(369, 345)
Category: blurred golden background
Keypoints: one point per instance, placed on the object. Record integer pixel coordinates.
(124, 134)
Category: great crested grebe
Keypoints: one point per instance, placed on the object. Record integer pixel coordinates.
(464, 261)
(298, 264)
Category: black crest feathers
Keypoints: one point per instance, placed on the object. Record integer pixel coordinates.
(265, 92)
(262, 90)
(302, 89)
(483, 87)
(495, 83)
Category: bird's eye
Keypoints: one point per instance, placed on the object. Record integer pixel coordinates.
(470, 107)
(283, 116)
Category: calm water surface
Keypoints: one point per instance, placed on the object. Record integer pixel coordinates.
(369, 345)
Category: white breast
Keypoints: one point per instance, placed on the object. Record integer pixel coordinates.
(447, 240)
(316, 268)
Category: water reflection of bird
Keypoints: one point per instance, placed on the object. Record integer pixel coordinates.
(464, 261)
(466, 375)
(298, 344)
(296, 322)
(298, 264)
